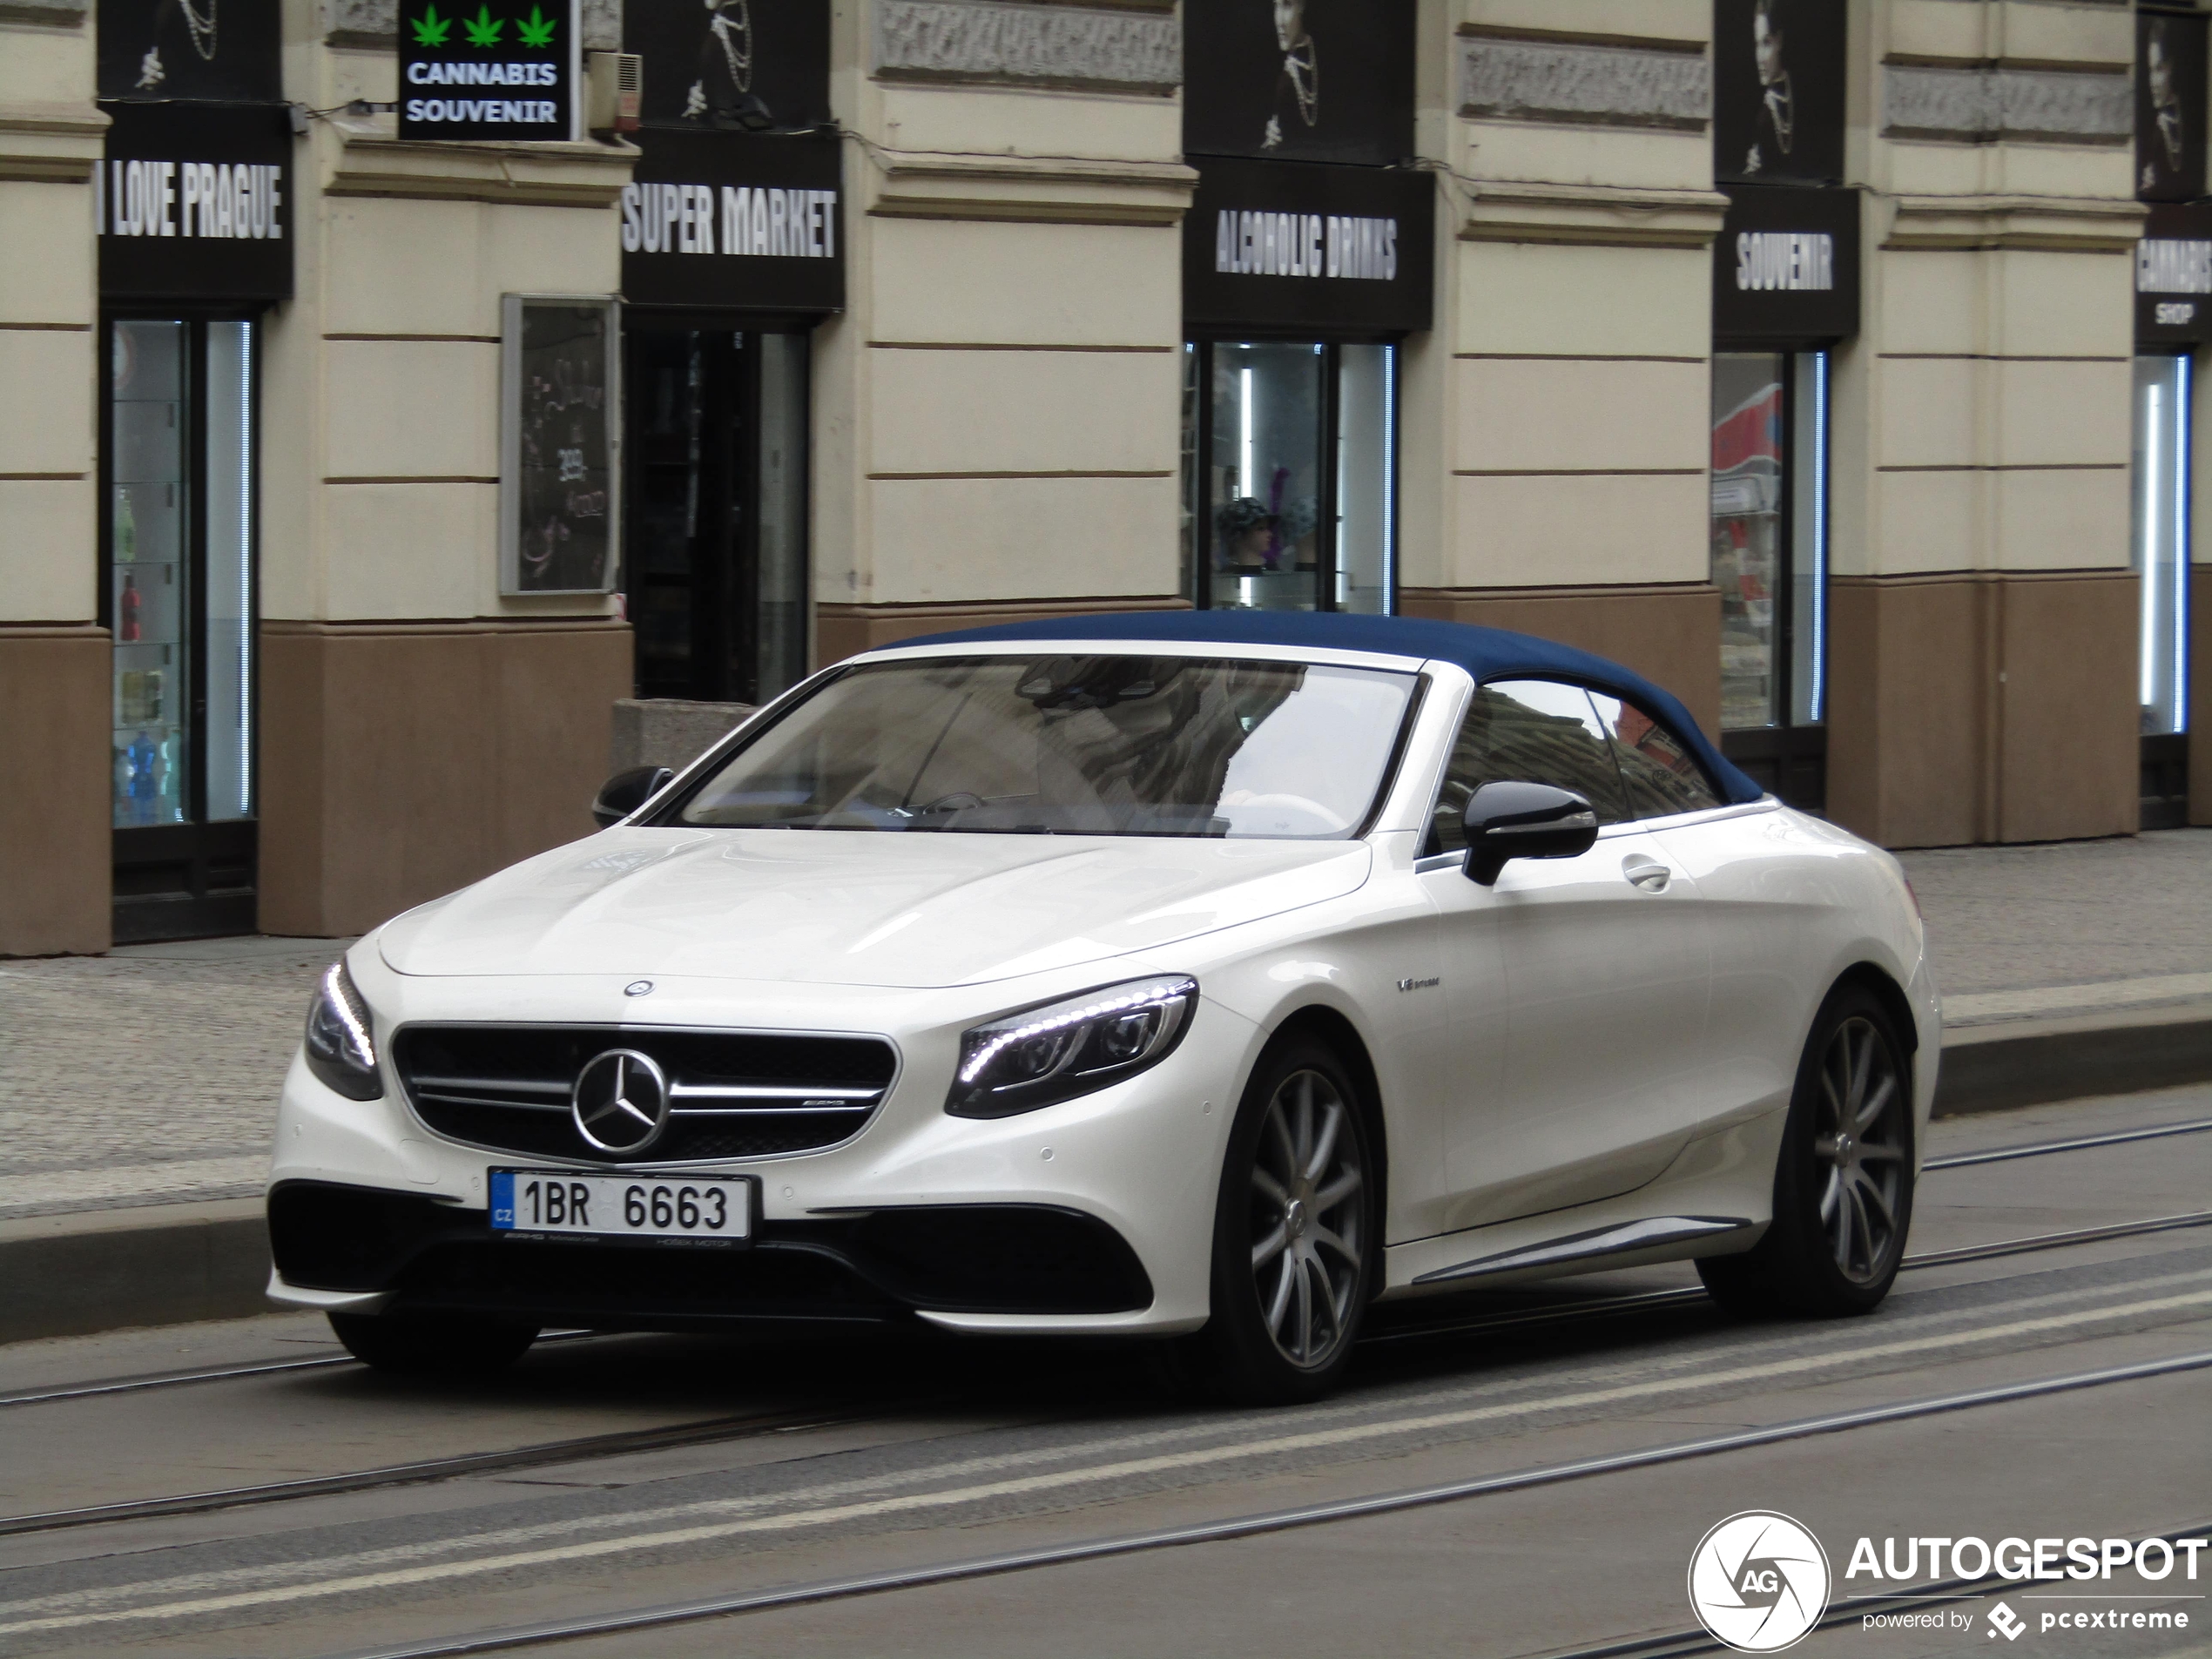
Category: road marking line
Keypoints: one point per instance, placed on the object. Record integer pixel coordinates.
(1641, 1366)
(1347, 1434)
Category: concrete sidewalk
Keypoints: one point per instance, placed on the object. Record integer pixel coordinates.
(138, 1090)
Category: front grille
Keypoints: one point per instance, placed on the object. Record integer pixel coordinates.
(733, 1094)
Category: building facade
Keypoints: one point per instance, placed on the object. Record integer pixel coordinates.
(1831, 361)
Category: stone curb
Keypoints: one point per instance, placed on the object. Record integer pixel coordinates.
(100, 1270)
(2031, 1062)
(94, 1270)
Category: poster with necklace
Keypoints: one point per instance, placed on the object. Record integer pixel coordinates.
(170, 50)
(732, 66)
(1299, 80)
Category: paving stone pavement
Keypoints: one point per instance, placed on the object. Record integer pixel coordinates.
(151, 1075)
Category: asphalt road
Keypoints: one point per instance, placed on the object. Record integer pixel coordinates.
(809, 1465)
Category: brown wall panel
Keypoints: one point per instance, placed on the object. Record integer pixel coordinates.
(845, 630)
(1973, 707)
(420, 758)
(1669, 635)
(2070, 761)
(1906, 710)
(556, 693)
(56, 706)
(2201, 694)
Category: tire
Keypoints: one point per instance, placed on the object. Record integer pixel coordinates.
(1294, 1257)
(1843, 1197)
(432, 1346)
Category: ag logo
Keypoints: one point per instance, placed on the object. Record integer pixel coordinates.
(1759, 1581)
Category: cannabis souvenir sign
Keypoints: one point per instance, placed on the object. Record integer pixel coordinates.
(487, 69)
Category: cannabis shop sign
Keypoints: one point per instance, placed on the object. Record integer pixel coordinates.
(504, 70)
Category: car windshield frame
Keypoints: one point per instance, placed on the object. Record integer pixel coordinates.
(670, 813)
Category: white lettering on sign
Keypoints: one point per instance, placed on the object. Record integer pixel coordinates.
(2165, 265)
(236, 200)
(1790, 260)
(483, 74)
(524, 111)
(1304, 244)
(2174, 314)
(752, 220)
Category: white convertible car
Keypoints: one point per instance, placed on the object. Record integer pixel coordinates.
(1202, 976)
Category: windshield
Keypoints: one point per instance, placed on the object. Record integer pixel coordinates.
(1074, 746)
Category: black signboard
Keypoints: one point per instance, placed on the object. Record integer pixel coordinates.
(2173, 277)
(506, 71)
(1785, 269)
(738, 66)
(712, 221)
(2170, 105)
(1302, 80)
(162, 50)
(557, 473)
(1316, 251)
(194, 201)
(1778, 90)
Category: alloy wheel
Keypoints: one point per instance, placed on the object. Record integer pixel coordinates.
(1308, 1221)
(1859, 1145)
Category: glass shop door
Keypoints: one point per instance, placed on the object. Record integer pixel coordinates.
(1769, 528)
(2161, 545)
(178, 522)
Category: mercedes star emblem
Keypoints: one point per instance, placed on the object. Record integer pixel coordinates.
(620, 1101)
(638, 988)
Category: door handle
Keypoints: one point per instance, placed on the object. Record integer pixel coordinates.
(1646, 873)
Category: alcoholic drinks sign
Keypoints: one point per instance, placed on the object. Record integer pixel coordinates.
(506, 70)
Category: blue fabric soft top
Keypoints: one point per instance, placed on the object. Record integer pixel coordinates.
(1485, 653)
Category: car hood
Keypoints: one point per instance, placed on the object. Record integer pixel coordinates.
(914, 910)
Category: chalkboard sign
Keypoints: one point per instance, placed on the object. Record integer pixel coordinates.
(557, 507)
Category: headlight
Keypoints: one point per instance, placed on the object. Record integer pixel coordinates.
(340, 1049)
(1043, 1056)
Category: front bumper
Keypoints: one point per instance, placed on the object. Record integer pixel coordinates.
(1115, 1188)
(366, 1249)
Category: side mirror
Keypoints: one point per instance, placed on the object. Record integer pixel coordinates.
(625, 791)
(1525, 821)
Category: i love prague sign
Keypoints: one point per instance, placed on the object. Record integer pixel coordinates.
(487, 69)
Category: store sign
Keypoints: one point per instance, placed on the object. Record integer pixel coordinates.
(731, 65)
(1786, 267)
(509, 74)
(2170, 104)
(1778, 68)
(2173, 277)
(556, 474)
(1325, 249)
(715, 220)
(164, 50)
(194, 202)
(1299, 80)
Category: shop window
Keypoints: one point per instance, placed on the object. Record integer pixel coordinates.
(2159, 542)
(1290, 465)
(178, 460)
(716, 578)
(1769, 527)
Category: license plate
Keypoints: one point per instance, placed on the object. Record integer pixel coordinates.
(701, 1209)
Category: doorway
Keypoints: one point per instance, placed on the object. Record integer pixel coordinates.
(1290, 475)
(179, 523)
(716, 559)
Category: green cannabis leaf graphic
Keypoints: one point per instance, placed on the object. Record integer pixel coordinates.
(483, 29)
(536, 28)
(431, 29)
